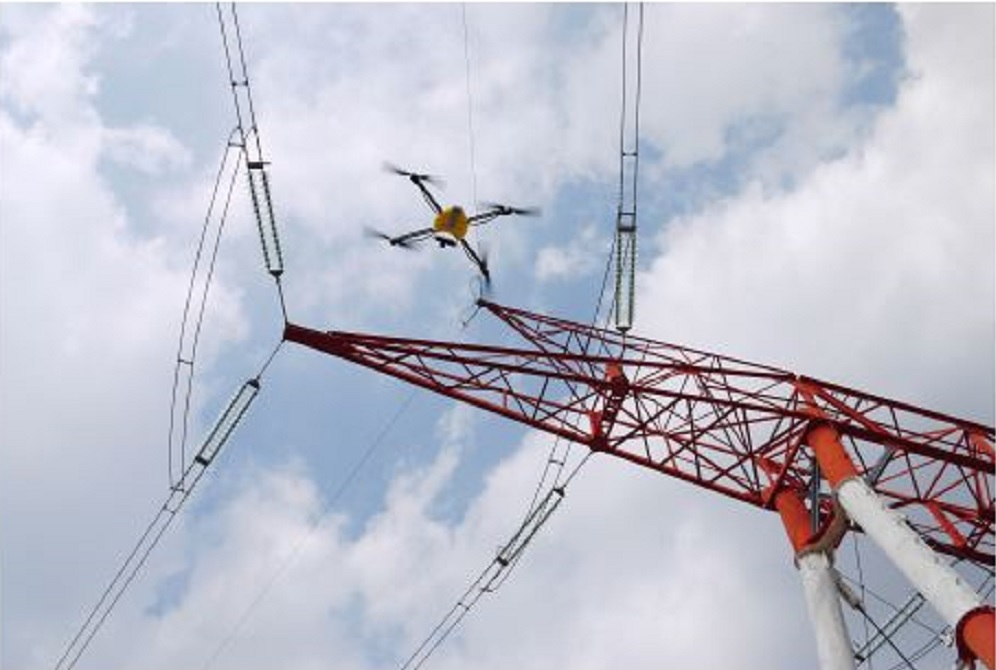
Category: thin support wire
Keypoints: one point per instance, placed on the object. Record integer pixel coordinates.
(553, 462)
(494, 575)
(629, 166)
(266, 364)
(280, 294)
(231, 75)
(203, 305)
(146, 543)
(918, 654)
(887, 603)
(306, 536)
(259, 182)
(552, 458)
(245, 74)
(186, 360)
(194, 471)
(861, 581)
(601, 291)
(888, 640)
(470, 104)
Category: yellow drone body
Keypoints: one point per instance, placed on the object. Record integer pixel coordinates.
(450, 224)
(452, 220)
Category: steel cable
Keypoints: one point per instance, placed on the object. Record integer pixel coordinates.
(191, 359)
(289, 558)
(470, 104)
(457, 613)
(136, 559)
(491, 578)
(861, 581)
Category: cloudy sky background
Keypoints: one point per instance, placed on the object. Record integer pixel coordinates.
(817, 193)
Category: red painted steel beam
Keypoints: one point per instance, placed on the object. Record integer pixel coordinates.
(701, 417)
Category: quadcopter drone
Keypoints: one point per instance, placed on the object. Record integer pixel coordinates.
(450, 226)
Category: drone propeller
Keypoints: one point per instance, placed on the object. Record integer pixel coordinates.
(376, 234)
(414, 176)
(506, 209)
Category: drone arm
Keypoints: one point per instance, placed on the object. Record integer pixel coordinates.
(414, 236)
(472, 255)
(484, 217)
(430, 200)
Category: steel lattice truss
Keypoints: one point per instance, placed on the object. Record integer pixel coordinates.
(733, 427)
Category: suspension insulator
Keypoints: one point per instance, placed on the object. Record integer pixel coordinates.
(227, 422)
(262, 205)
(625, 274)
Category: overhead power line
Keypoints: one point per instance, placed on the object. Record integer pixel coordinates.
(496, 572)
(629, 167)
(222, 431)
(547, 497)
(470, 103)
(190, 474)
(252, 148)
(193, 317)
(299, 545)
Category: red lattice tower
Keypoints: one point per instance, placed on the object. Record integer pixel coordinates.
(737, 428)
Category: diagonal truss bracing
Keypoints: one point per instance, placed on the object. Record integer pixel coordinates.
(730, 426)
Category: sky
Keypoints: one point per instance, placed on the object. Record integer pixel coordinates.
(816, 193)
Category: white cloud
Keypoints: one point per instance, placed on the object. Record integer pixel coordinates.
(877, 271)
(581, 256)
(713, 75)
(590, 593)
(43, 68)
(543, 116)
(146, 147)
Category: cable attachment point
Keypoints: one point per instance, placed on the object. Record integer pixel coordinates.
(466, 322)
(479, 301)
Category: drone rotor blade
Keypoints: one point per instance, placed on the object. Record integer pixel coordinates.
(508, 209)
(391, 167)
(430, 179)
(375, 234)
(394, 242)
(414, 176)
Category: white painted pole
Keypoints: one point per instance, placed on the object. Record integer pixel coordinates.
(812, 557)
(833, 646)
(954, 600)
(932, 577)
